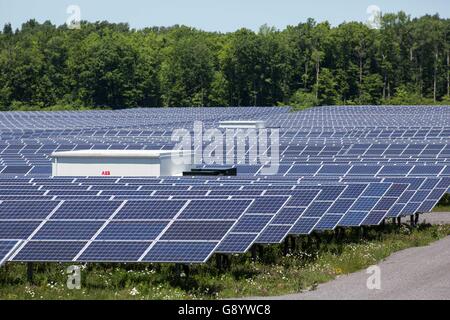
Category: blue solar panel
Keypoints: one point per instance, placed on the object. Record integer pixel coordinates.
(355, 218)
(288, 215)
(304, 225)
(6, 247)
(151, 209)
(252, 223)
(303, 169)
(193, 252)
(67, 230)
(197, 230)
(330, 193)
(317, 209)
(302, 198)
(350, 155)
(16, 170)
(395, 170)
(341, 206)
(47, 170)
(375, 190)
(365, 204)
(328, 222)
(268, 205)
(26, 209)
(353, 191)
(426, 170)
(420, 196)
(86, 210)
(42, 251)
(273, 234)
(375, 217)
(17, 229)
(426, 206)
(132, 230)
(364, 170)
(237, 242)
(217, 209)
(333, 170)
(114, 251)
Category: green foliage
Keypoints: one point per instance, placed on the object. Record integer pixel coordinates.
(408, 96)
(327, 89)
(314, 259)
(110, 65)
(445, 201)
(302, 100)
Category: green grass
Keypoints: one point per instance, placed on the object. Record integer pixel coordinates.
(441, 209)
(315, 259)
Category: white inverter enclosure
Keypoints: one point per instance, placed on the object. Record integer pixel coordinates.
(242, 124)
(120, 163)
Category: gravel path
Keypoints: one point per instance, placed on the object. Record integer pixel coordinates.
(415, 273)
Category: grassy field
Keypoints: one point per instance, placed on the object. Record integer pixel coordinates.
(313, 260)
(441, 209)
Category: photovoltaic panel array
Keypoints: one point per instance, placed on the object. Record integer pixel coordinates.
(338, 167)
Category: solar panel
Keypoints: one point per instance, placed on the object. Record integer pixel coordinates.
(49, 251)
(67, 230)
(217, 209)
(274, 234)
(267, 205)
(197, 230)
(26, 209)
(86, 210)
(192, 252)
(6, 247)
(252, 223)
(132, 230)
(237, 243)
(339, 166)
(150, 209)
(113, 251)
(17, 229)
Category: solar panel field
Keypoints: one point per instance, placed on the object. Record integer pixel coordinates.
(338, 167)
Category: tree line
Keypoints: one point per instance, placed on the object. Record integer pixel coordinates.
(405, 61)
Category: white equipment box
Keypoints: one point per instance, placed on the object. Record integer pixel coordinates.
(242, 124)
(119, 163)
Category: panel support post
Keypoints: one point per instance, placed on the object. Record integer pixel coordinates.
(30, 268)
(416, 221)
(186, 270)
(260, 250)
(226, 261)
(178, 270)
(399, 221)
(293, 243)
(286, 246)
(219, 261)
(412, 220)
(222, 262)
(254, 254)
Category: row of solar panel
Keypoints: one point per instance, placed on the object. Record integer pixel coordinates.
(371, 203)
(303, 205)
(325, 132)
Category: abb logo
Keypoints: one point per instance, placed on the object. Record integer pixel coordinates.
(106, 173)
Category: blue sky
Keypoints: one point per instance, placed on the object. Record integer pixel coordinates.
(210, 15)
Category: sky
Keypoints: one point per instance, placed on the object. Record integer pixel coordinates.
(212, 15)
